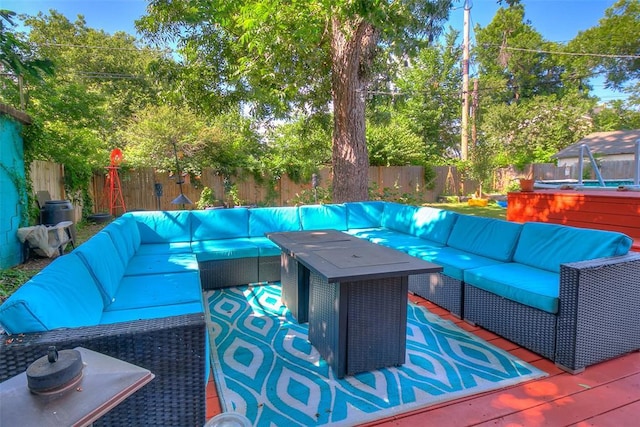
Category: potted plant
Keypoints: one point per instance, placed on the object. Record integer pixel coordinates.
(526, 181)
(526, 184)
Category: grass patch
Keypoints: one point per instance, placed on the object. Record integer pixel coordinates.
(11, 279)
(492, 210)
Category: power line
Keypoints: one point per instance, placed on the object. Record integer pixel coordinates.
(104, 75)
(597, 55)
(81, 46)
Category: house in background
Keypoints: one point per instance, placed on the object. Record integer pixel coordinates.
(13, 197)
(609, 146)
(614, 153)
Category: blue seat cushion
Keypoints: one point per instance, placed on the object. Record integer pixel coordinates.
(489, 237)
(210, 250)
(63, 295)
(163, 226)
(367, 233)
(454, 262)
(527, 285)
(433, 224)
(129, 315)
(265, 246)
(403, 242)
(323, 217)
(102, 260)
(220, 224)
(157, 290)
(164, 248)
(268, 220)
(160, 264)
(546, 246)
(364, 214)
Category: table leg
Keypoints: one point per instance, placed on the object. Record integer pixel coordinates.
(294, 279)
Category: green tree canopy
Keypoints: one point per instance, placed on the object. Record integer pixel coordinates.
(429, 98)
(225, 144)
(612, 47)
(16, 56)
(301, 54)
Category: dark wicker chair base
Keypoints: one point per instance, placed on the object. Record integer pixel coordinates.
(599, 315)
(269, 269)
(529, 327)
(172, 348)
(439, 289)
(228, 272)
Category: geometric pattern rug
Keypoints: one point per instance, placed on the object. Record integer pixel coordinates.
(266, 369)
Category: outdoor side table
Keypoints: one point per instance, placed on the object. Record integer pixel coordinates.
(105, 383)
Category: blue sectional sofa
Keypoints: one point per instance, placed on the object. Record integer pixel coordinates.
(134, 290)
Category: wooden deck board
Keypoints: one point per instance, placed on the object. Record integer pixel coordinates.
(605, 394)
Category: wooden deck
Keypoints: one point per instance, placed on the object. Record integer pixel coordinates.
(606, 394)
(600, 209)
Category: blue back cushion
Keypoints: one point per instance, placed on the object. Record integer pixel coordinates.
(130, 229)
(62, 295)
(267, 220)
(323, 217)
(547, 246)
(434, 224)
(399, 217)
(220, 224)
(163, 226)
(364, 214)
(102, 260)
(492, 238)
(121, 240)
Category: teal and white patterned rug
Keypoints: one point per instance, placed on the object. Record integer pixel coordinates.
(266, 369)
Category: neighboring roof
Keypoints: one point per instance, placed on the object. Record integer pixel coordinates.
(23, 118)
(606, 143)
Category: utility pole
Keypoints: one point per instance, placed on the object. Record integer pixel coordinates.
(474, 113)
(464, 143)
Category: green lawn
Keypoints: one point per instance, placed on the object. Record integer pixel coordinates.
(12, 278)
(491, 210)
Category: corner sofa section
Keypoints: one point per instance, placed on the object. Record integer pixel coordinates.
(156, 321)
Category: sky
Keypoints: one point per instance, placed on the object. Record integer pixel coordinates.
(556, 20)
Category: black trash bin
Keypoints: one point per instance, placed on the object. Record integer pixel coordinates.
(56, 211)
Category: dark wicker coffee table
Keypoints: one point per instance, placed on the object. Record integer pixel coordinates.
(355, 295)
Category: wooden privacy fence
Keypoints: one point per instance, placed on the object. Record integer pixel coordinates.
(139, 187)
(395, 182)
(49, 176)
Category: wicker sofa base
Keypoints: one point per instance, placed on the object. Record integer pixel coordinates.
(440, 289)
(269, 269)
(529, 327)
(172, 348)
(225, 273)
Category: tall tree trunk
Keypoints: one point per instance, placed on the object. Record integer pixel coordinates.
(353, 45)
